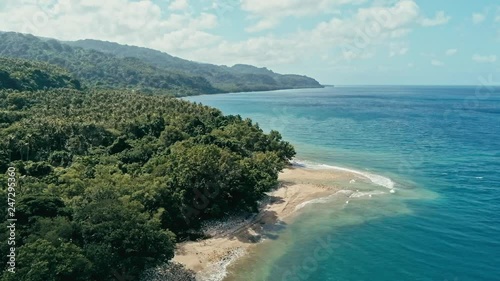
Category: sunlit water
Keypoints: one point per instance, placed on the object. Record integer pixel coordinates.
(439, 146)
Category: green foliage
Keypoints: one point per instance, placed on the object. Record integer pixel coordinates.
(60, 158)
(110, 179)
(42, 261)
(18, 74)
(37, 169)
(238, 78)
(110, 65)
(53, 229)
(170, 271)
(97, 69)
(120, 240)
(31, 207)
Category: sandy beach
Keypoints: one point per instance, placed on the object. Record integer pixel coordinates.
(232, 239)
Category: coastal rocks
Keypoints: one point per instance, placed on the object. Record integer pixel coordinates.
(218, 269)
(171, 271)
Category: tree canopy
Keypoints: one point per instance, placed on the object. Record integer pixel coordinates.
(111, 65)
(101, 70)
(23, 75)
(109, 180)
(237, 78)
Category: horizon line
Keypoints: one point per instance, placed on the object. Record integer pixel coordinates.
(408, 85)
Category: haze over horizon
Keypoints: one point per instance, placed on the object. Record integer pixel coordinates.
(340, 42)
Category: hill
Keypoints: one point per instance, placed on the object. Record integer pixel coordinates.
(228, 79)
(97, 69)
(23, 75)
(111, 65)
(108, 181)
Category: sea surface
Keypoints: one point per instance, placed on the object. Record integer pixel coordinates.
(426, 202)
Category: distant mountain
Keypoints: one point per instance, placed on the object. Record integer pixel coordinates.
(111, 65)
(98, 69)
(23, 75)
(237, 78)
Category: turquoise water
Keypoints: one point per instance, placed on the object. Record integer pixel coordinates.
(441, 148)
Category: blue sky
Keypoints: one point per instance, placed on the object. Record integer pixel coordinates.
(335, 41)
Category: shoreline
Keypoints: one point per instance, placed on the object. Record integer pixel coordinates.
(232, 238)
(257, 91)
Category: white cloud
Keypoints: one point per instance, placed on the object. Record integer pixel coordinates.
(478, 18)
(356, 35)
(178, 5)
(351, 37)
(184, 40)
(397, 49)
(271, 13)
(437, 63)
(280, 8)
(484, 58)
(368, 25)
(263, 24)
(394, 17)
(265, 50)
(440, 19)
(497, 15)
(129, 22)
(204, 21)
(451, 52)
(403, 51)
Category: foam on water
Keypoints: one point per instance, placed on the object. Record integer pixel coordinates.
(359, 194)
(433, 220)
(324, 200)
(374, 178)
(347, 193)
(218, 271)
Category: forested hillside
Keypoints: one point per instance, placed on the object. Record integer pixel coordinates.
(18, 74)
(226, 79)
(97, 69)
(111, 65)
(109, 180)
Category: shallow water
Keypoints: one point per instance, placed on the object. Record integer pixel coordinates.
(439, 146)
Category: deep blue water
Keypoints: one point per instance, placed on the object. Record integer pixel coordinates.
(440, 145)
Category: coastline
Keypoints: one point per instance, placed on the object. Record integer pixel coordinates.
(231, 239)
(249, 91)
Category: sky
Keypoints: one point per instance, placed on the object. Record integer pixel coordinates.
(341, 42)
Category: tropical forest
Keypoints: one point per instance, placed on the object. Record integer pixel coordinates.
(111, 169)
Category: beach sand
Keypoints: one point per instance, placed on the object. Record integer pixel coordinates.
(231, 239)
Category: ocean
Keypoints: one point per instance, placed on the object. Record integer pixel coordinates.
(428, 204)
